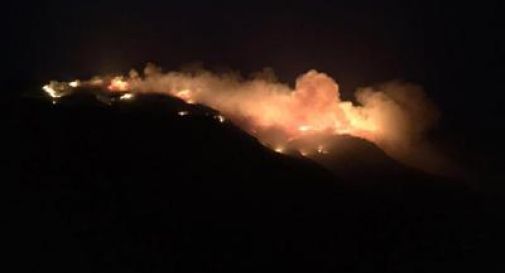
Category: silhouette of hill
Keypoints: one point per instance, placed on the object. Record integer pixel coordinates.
(135, 187)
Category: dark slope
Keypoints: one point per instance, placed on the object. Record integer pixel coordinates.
(133, 187)
(355, 158)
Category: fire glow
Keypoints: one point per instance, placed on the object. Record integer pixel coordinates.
(394, 116)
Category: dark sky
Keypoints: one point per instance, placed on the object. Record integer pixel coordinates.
(454, 50)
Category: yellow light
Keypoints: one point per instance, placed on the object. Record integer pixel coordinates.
(304, 128)
(184, 94)
(75, 83)
(127, 96)
(220, 118)
(50, 91)
(321, 149)
(118, 84)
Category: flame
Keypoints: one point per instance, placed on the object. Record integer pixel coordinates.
(279, 149)
(304, 128)
(220, 118)
(50, 91)
(394, 116)
(321, 149)
(185, 95)
(74, 84)
(127, 96)
(118, 84)
(56, 89)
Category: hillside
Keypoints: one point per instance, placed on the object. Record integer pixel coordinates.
(135, 187)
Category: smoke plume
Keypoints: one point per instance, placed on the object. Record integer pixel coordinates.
(395, 116)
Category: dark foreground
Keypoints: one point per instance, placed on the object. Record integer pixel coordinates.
(136, 188)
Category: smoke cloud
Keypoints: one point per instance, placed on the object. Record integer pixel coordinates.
(395, 116)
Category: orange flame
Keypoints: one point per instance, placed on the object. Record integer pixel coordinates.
(394, 116)
(118, 84)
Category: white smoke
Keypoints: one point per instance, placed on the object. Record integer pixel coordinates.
(395, 116)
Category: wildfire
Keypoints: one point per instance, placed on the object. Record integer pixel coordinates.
(118, 84)
(183, 113)
(74, 84)
(321, 149)
(57, 89)
(279, 149)
(127, 96)
(304, 128)
(393, 116)
(50, 91)
(186, 95)
(220, 118)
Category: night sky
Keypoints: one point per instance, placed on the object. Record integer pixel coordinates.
(456, 51)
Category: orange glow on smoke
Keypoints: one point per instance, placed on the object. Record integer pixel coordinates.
(185, 95)
(394, 116)
(118, 84)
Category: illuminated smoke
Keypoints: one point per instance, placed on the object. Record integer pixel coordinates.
(118, 84)
(394, 116)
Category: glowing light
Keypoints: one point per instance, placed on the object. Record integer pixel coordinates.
(304, 128)
(127, 96)
(220, 118)
(304, 117)
(279, 149)
(74, 84)
(185, 95)
(51, 92)
(118, 84)
(321, 149)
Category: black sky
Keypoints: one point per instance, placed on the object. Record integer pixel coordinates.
(358, 42)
